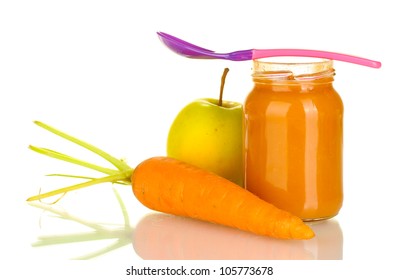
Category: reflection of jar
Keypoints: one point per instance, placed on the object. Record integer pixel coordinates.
(293, 138)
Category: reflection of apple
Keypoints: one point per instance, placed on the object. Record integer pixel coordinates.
(208, 133)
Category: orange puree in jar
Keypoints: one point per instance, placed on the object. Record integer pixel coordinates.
(293, 138)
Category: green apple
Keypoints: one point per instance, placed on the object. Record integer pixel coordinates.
(208, 133)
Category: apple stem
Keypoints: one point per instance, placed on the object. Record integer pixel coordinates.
(222, 86)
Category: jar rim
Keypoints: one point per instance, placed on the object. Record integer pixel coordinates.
(293, 68)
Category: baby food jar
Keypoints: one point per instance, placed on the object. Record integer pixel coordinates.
(293, 123)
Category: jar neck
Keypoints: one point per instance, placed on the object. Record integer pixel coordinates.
(270, 72)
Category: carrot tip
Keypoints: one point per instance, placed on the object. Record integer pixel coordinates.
(302, 231)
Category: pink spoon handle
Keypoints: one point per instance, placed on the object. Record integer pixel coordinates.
(312, 53)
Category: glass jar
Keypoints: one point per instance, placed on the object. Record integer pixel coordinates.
(293, 123)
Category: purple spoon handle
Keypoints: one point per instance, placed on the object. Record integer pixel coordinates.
(257, 53)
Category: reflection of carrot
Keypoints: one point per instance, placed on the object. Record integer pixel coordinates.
(160, 236)
(174, 187)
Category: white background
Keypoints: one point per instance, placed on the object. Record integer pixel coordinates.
(97, 70)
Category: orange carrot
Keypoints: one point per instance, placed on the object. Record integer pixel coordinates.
(172, 186)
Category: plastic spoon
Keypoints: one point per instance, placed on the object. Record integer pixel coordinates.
(187, 49)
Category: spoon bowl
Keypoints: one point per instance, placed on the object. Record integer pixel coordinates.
(182, 47)
(189, 50)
